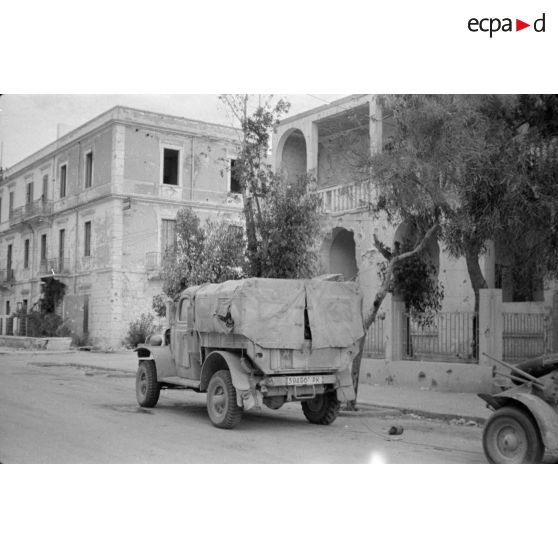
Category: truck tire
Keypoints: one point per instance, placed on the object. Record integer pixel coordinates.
(147, 386)
(323, 409)
(221, 401)
(511, 436)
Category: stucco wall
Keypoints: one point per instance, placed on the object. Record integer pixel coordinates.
(203, 173)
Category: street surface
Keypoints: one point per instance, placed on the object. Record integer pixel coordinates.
(68, 414)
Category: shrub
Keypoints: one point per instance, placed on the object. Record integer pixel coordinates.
(139, 330)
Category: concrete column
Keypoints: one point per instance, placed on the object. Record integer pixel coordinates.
(394, 344)
(491, 326)
(311, 137)
(376, 126)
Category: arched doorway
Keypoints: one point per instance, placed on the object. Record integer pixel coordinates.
(342, 254)
(292, 155)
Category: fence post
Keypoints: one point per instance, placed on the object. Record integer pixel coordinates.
(491, 326)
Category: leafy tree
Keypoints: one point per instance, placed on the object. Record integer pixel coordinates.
(282, 220)
(474, 163)
(209, 254)
(158, 305)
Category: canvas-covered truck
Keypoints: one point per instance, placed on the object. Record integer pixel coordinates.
(256, 342)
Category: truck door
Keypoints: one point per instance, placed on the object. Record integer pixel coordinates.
(185, 342)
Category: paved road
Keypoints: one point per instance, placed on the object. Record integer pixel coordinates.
(63, 414)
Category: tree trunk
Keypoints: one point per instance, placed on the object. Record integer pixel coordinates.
(478, 282)
(475, 273)
(252, 242)
(370, 317)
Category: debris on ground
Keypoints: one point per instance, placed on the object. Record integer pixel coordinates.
(395, 431)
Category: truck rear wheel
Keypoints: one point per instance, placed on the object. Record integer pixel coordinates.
(510, 436)
(221, 401)
(323, 409)
(147, 386)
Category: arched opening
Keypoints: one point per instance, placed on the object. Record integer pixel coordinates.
(342, 254)
(293, 155)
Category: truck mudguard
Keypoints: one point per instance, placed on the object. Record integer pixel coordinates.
(544, 414)
(223, 360)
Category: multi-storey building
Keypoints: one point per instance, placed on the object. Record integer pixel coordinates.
(96, 209)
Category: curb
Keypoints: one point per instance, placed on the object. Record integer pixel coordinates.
(422, 413)
(81, 365)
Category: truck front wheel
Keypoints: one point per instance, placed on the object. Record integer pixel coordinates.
(147, 386)
(221, 401)
(323, 409)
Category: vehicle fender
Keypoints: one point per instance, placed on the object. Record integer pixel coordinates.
(162, 356)
(223, 360)
(545, 415)
(345, 389)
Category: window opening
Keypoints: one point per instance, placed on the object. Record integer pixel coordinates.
(170, 166)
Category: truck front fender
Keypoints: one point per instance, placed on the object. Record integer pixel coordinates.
(162, 356)
(545, 416)
(222, 360)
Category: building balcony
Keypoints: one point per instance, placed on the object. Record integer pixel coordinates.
(356, 196)
(37, 210)
(7, 276)
(154, 262)
(55, 266)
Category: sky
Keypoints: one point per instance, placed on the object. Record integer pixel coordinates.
(30, 122)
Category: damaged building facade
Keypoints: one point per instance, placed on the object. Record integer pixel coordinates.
(96, 209)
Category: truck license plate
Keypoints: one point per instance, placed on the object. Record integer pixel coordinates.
(304, 380)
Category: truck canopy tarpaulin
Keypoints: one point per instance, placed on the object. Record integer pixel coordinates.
(270, 312)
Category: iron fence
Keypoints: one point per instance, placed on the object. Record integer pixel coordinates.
(374, 346)
(525, 335)
(450, 337)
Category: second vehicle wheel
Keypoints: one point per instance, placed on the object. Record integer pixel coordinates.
(511, 436)
(323, 409)
(221, 401)
(147, 386)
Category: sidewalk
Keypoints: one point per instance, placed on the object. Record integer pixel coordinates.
(426, 403)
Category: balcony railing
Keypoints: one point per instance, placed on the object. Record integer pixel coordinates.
(34, 210)
(348, 197)
(55, 266)
(152, 261)
(7, 276)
